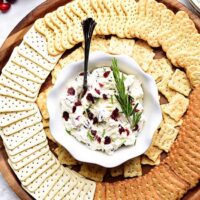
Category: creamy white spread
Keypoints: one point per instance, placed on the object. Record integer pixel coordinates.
(97, 118)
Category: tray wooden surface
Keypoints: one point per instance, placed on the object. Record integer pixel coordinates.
(15, 38)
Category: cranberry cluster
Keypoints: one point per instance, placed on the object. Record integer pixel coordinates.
(5, 5)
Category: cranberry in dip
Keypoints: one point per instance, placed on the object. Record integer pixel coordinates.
(109, 115)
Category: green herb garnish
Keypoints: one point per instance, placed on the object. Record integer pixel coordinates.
(90, 136)
(123, 97)
(104, 132)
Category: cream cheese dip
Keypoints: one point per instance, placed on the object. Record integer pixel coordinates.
(97, 119)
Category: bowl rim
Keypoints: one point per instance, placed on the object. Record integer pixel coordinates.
(153, 93)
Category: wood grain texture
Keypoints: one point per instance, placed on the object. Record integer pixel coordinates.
(15, 38)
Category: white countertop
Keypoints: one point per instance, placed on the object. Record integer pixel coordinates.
(7, 22)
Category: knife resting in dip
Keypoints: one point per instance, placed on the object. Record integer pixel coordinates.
(110, 114)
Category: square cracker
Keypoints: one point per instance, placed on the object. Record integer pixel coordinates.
(36, 139)
(93, 171)
(12, 117)
(121, 46)
(21, 124)
(180, 83)
(165, 90)
(155, 70)
(167, 119)
(14, 140)
(38, 178)
(117, 171)
(38, 42)
(165, 137)
(64, 156)
(146, 161)
(55, 72)
(143, 54)
(47, 185)
(153, 152)
(24, 154)
(9, 104)
(176, 107)
(41, 102)
(29, 53)
(133, 167)
(8, 92)
(22, 72)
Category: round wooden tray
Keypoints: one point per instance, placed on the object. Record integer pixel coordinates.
(15, 38)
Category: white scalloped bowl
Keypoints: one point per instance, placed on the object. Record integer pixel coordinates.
(79, 150)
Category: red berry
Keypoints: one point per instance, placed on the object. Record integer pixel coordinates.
(71, 91)
(107, 140)
(105, 96)
(4, 7)
(121, 129)
(106, 74)
(115, 114)
(97, 91)
(89, 97)
(66, 115)
(101, 84)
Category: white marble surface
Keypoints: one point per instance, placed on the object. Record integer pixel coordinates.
(7, 22)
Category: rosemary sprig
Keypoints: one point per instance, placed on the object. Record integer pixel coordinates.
(123, 98)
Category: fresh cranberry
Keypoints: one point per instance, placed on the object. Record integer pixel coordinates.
(81, 74)
(97, 91)
(121, 129)
(106, 74)
(136, 127)
(78, 103)
(66, 115)
(101, 84)
(127, 132)
(90, 114)
(98, 139)
(74, 109)
(115, 114)
(94, 132)
(90, 97)
(107, 140)
(95, 120)
(4, 7)
(71, 91)
(105, 96)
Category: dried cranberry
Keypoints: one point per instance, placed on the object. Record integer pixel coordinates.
(81, 74)
(90, 114)
(115, 114)
(121, 129)
(107, 140)
(71, 91)
(98, 139)
(78, 103)
(95, 120)
(137, 110)
(101, 84)
(66, 115)
(136, 127)
(90, 97)
(106, 74)
(94, 132)
(105, 96)
(74, 109)
(97, 91)
(127, 132)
